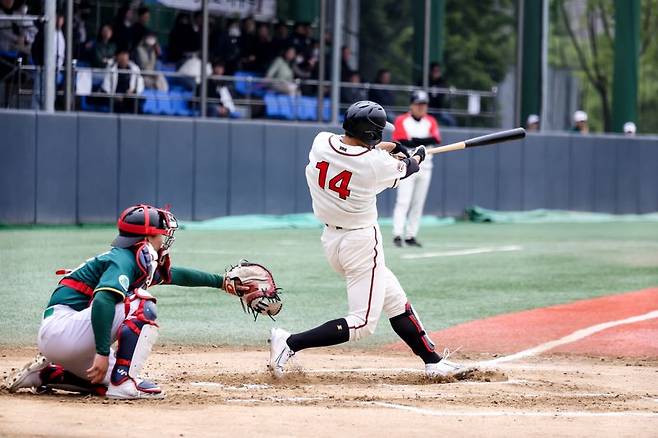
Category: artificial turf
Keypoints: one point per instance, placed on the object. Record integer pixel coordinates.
(558, 263)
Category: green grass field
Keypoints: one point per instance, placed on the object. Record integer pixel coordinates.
(558, 263)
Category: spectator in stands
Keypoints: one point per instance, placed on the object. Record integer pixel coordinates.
(349, 95)
(383, 97)
(225, 45)
(301, 39)
(104, 49)
(141, 28)
(218, 89)
(346, 69)
(127, 83)
(146, 57)
(580, 122)
(532, 124)
(281, 70)
(630, 129)
(183, 39)
(192, 69)
(122, 30)
(82, 44)
(281, 38)
(264, 49)
(438, 101)
(248, 43)
(11, 37)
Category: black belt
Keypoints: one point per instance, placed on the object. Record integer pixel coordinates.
(342, 228)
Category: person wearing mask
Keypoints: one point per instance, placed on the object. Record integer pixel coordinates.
(122, 34)
(438, 101)
(383, 97)
(146, 57)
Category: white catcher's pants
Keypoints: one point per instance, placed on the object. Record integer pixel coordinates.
(410, 201)
(67, 338)
(358, 256)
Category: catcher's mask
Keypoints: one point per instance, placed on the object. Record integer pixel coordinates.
(139, 221)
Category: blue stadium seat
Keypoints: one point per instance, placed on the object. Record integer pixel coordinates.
(150, 102)
(165, 105)
(271, 105)
(286, 106)
(245, 87)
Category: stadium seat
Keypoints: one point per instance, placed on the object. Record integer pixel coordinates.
(248, 88)
(150, 102)
(286, 106)
(271, 105)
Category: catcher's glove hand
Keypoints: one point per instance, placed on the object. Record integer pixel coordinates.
(255, 286)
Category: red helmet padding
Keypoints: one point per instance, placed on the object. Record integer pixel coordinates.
(148, 228)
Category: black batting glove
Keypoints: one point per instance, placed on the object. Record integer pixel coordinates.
(400, 149)
(420, 151)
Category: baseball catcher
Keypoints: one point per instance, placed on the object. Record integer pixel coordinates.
(107, 299)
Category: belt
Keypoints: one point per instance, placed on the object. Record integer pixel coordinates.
(342, 228)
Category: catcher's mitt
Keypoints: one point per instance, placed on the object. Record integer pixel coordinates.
(255, 286)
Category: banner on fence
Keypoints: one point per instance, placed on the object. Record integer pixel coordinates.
(259, 9)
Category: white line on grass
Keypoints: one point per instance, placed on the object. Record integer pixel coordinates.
(461, 252)
(573, 337)
(448, 413)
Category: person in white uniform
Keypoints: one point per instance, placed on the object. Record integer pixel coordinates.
(412, 129)
(344, 175)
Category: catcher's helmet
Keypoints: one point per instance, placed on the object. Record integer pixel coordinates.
(139, 221)
(365, 120)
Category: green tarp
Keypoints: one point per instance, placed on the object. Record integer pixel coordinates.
(479, 214)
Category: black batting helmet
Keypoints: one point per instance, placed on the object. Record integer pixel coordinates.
(139, 221)
(365, 120)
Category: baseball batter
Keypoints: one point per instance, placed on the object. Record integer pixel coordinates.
(104, 300)
(344, 175)
(412, 129)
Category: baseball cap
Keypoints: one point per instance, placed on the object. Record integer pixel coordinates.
(532, 118)
(630, 128)
(579, 116)
(419, 96)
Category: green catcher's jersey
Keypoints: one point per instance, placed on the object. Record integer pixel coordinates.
(113, 271)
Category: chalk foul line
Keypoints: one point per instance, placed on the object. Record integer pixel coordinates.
(462, 252)
(573, 337)
(449, 413)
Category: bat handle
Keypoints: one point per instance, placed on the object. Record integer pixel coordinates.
(447, 148)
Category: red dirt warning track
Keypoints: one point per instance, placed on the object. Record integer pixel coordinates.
(518, 331)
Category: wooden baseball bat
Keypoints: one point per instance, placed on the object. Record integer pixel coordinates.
(494, 137)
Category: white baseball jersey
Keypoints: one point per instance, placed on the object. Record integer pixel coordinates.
(344, 180)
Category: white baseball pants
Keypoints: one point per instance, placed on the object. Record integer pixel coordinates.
(409, 203)
(358, 256)
(67, 338)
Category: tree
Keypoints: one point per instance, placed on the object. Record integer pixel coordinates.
(584, 41)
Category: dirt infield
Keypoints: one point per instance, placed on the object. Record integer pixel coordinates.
(226, 392)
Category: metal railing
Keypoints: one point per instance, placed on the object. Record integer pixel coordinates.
(22, 89)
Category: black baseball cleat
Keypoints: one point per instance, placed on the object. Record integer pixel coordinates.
(397, 241)
(412, 242)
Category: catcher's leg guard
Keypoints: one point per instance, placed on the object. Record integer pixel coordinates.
(136, 337)
(409, 328)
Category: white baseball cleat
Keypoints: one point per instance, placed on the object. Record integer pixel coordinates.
(444, 368)
(279, 351)
(132, 389)
(29, 375)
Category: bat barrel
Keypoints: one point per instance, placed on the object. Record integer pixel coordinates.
(496, 137)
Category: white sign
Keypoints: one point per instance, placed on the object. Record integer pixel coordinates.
(259, 9)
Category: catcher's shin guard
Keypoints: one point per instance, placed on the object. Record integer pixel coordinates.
(136, 337)
(411, 330)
